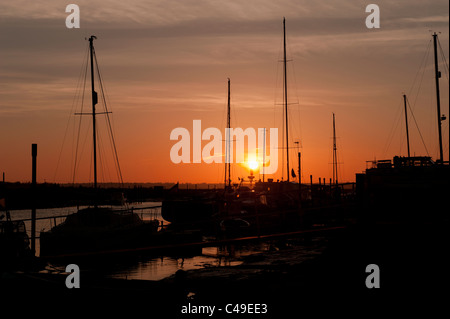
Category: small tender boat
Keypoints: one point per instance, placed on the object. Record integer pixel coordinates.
(14, 241)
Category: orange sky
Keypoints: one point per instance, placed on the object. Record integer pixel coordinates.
(166, 63)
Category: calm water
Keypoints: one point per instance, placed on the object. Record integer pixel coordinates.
(142, 267)
(54, 219)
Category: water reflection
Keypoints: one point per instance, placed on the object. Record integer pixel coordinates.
(165, 266)
(143, 267)
(50, 217)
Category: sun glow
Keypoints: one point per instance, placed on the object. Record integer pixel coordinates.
(253, 165)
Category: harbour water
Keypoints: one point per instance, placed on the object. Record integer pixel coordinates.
(142, 267)
(50, 217)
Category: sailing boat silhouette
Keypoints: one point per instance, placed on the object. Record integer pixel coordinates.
(96, 228)
(408, 188)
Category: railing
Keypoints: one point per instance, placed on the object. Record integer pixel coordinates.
(58, 219)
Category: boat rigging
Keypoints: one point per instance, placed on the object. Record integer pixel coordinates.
(94, 69)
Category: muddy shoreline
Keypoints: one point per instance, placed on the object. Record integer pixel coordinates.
(291, 278)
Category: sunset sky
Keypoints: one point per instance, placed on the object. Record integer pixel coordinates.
(166, 63)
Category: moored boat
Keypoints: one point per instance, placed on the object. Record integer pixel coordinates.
(97, 228)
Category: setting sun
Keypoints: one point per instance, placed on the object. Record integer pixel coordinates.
(253, 165)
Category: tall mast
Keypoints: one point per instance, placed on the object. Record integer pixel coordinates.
(264, 155)
(94, 101)
(286, 99)
(406, 120)
(335, 173)
(438, 99)
(227, 151)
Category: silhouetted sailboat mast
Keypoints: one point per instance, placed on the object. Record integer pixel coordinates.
(228, 142)
(94, 102)
(406, 120)
(94, 113)
(285, 97)
(335, 162)
(438, 99)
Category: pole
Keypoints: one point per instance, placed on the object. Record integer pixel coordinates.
(438, 99)
(33, 209)
(300, 212)
(406, 120)
(299, 178)
(94, 101)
